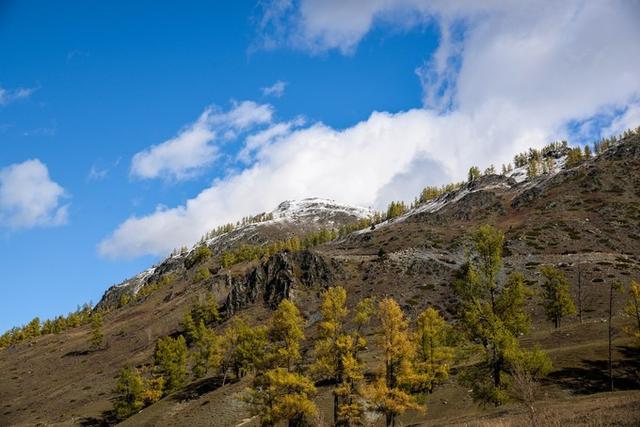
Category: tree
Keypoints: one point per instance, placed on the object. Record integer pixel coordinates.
(244, 347)
(208, 351)
(336, 352)
(388, 393)
(574, 157)
(632, 309)
(286, 330)
(280, 395)
(557, 299)
(97, 337)
(432, 355)
(474, 173)
(170, 360)
(614, 286)
(396, 209)
(533, 168)
(587, 152)
(490, 315)
(129, 393)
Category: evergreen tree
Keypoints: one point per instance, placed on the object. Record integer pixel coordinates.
(171, 361)
(97, 337)
(432, 355)
(388, 393)
(632, 309)
(557, 298)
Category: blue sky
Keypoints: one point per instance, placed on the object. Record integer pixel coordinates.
(375, 101)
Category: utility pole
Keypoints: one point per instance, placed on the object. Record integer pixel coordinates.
(580, 294)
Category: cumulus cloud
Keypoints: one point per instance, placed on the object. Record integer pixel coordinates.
(276, 90)
(194, 148)
(7, 96)
(506, 76)
(29, 198)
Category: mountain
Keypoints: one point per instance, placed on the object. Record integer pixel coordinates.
(582, 217)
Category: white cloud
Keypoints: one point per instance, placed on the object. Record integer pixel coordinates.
(7, 96)
(97, 174)
(194, 148)
(276, 89)
(29, 198)
(506, 76)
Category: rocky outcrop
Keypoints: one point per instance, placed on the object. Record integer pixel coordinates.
(272, 281)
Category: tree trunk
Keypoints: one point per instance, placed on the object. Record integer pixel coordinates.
(335, 409)
(391, 420)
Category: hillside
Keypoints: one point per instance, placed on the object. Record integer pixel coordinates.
(584, 219)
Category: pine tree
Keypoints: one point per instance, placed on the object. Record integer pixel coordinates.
(432, 355)
(388, 393)
(557, 299)
(97, 337)
(632, 309)
(129, 393)
(171, 361)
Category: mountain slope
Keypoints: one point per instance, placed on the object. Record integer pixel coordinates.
(584, 219)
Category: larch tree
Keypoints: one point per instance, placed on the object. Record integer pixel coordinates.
(491, 315)
(632, 309)
(556, 294)
(433, 356)
(336, 352)
(281, 392)
(129, 393)
(388, 393)
(244, 347)
(170, 360)
(97, 337)
(286, 331)
(208, 352)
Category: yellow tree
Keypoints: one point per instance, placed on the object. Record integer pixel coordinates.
(244, 347)
(633, 310)
(388, 393)
(286, 330)
(208, 352)
(557, 299)
(432, 354)
(491, 315)
(97, 337)
(336, 353)
(281, 393)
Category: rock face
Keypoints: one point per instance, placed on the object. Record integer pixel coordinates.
(272, 281)
(290, 218)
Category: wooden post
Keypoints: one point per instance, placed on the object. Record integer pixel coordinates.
(610, 334)
(580, 295)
